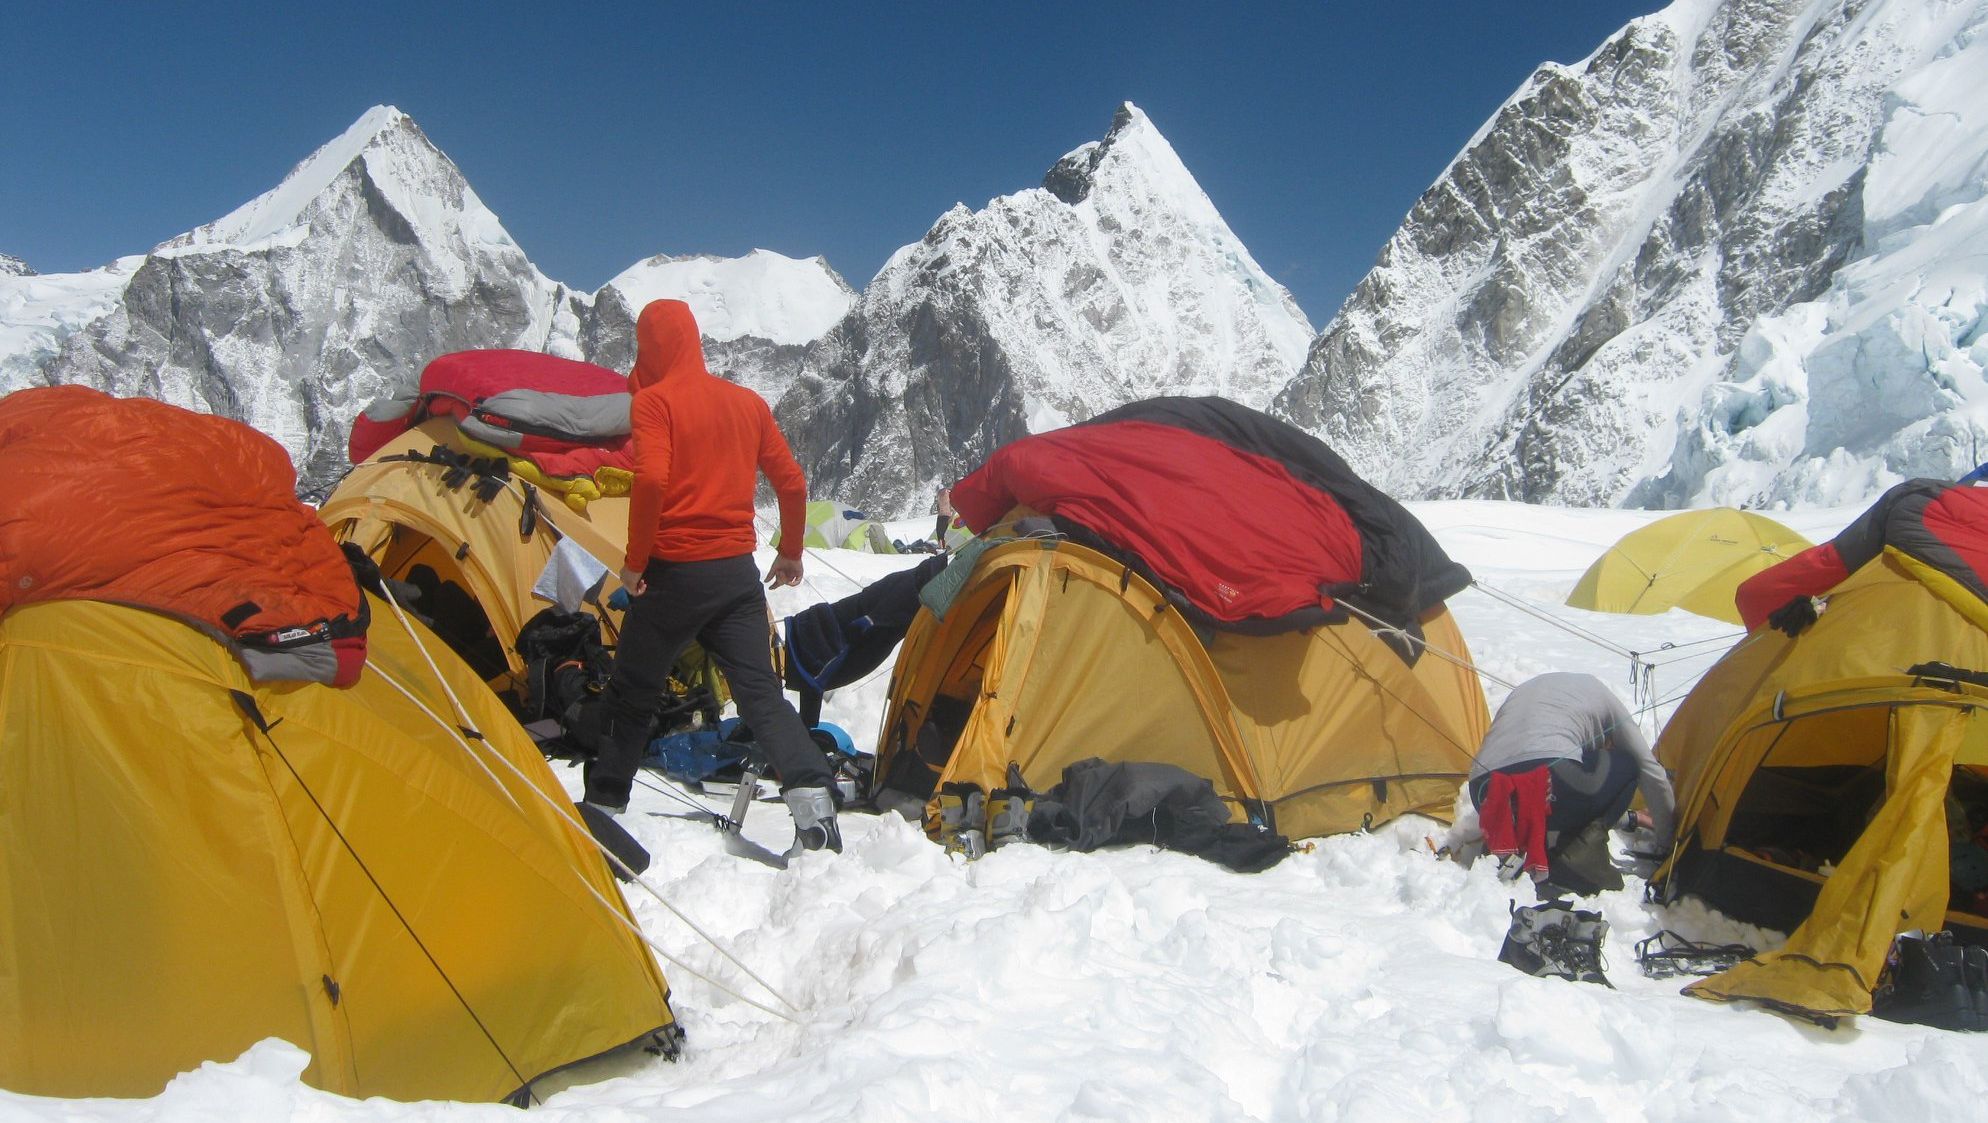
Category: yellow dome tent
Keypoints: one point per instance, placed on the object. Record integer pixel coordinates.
(190, 862)
(477, 555)
(1812, 778)
(1692, 560)
(1051, 652)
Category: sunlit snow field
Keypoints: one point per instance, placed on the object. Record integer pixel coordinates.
(1354, 981)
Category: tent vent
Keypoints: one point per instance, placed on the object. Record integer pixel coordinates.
(245, 702)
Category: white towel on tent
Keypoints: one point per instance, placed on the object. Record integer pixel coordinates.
(571, 576)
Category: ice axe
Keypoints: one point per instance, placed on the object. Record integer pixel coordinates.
(732, 826)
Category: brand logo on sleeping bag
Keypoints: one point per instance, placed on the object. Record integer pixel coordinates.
(1227, 592)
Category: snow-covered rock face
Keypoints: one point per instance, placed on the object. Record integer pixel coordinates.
(370, 258)
(1552, 320)
(11, 266)
(1116, 280)
(37, 313)
(1882, 376)
(297, 309)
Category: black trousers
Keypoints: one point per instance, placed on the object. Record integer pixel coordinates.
(721, 605)
(1589, 797)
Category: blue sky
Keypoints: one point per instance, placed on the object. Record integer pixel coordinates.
(603, 134)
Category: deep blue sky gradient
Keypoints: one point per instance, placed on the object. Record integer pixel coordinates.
(604, 134)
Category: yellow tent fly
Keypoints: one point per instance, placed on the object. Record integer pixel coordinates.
(191, 862)
(1051, 652)
(1814, 776)
(1692, 560)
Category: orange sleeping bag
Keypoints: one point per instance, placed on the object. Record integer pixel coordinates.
(133, 501)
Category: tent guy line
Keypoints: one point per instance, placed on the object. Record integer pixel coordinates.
(572, 819)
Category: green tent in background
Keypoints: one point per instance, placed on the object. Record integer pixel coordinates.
(834, 526)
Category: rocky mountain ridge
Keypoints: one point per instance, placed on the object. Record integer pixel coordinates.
(1116, 280)
(1577, 310)
(374, 254)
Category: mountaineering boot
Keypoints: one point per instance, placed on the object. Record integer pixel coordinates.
(1522, 939)
(1934, 981)
(815, 827)
(963, 819)
(1555, 941)
(1581, 950)
(1008, 811)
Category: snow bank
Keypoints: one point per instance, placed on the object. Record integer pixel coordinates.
(39, 311)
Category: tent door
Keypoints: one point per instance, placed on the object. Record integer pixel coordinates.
(446, 604)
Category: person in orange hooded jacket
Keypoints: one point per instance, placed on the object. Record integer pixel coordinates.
(700, 443)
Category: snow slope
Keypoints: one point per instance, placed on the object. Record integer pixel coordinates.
(763, 294)
(1356, 981)
(38, 312)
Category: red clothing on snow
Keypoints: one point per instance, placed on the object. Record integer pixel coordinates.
(699, 443)
(1513, 816)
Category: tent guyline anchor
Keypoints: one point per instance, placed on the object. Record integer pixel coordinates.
(1642, 669)
(572, 819)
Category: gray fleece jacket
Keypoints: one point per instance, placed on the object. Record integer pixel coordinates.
(1557, 717)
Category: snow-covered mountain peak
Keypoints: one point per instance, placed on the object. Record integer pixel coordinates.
(384, 157)
(1132, 159)
(1117, 280)
(293, 311)
(764, 295)
(11, 266)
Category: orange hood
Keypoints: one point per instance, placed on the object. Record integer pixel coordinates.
(667, 345)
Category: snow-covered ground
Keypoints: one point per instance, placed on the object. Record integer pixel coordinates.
(1354, 981)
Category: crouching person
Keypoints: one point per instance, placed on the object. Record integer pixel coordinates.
(1558, 768)
(699, 444)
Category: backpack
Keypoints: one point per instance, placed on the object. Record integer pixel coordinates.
(565, 662)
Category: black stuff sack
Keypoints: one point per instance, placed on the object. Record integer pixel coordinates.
(1933, 981)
